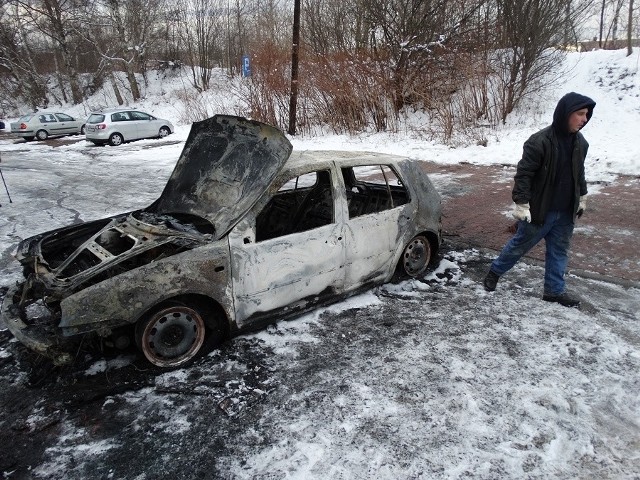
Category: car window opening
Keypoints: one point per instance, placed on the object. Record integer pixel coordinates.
(303, 203)
(373, 189)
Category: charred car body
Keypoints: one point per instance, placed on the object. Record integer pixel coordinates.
(244, 232)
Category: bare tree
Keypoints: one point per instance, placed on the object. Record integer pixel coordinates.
(333, 26)
(529, 28)
(602, 10)
(610, 12)
(54, 20)
(23, 81)
(202, 36)
(122, 32)
(616, 21)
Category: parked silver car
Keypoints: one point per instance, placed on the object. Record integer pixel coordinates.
(42, 125)
(117, 126)
(243, 233)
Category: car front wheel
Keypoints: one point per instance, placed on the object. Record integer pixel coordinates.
(115, 139)
(416, 256)
(172, 336)
(42, 135)
(163, 132)
(83, 129)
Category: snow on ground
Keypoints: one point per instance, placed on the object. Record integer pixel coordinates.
(424, 379)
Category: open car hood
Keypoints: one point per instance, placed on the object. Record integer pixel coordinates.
(225, 166)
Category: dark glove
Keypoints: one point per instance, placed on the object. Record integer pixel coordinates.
(582, 206)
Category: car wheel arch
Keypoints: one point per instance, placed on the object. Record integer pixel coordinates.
(212, 313)
(431, 241)
(42, 134)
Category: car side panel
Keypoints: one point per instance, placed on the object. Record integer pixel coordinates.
(279, 272)
(125, 298)
(149, 128)
(371, 244)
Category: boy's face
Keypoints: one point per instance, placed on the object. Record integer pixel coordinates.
(578, 119)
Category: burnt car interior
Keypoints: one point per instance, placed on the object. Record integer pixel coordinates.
(372, 190)
(302, 205)
(297, 207)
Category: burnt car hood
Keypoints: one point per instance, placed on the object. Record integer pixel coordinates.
(225, 166)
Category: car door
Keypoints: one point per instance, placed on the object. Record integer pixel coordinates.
(145, 127)
(288, 254)
(49, 122)
(67, 124)
(377, 205)
(122, 123)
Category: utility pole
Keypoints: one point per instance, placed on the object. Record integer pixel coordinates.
(630, 30)
(293, 101)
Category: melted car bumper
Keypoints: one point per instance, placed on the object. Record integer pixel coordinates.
(37, 336)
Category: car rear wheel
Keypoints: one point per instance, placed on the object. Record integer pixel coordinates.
(42, 135)
(115, 139)
(172, 336)
(163, 132)
(416, 256)
(83, 129)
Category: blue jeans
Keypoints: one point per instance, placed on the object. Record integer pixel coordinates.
(556, 231)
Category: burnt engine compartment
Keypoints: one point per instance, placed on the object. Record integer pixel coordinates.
(70, 259)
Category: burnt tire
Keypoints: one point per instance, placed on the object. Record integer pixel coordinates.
(416, 256)
(172, 336)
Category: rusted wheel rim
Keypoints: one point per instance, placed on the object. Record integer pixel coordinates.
(172, 336)
(416, 256)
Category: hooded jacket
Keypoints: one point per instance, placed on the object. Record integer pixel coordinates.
(535, 178)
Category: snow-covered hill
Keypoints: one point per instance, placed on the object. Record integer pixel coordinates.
(611, 78)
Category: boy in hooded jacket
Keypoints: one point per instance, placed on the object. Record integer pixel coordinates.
(550, 192)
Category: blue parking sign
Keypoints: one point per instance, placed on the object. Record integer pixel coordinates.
(246, 66)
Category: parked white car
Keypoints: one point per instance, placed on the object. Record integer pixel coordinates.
(243, 233)
(117, 126)
(42, 125)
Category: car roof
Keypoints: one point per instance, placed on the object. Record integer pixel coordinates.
(43, 112)
(306, 158)
(119, 109)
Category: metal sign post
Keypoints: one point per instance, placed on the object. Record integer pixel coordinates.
(246, 66)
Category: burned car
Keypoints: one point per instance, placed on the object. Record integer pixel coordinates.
(243, 233)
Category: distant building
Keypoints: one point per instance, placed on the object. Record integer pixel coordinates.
(589, 45)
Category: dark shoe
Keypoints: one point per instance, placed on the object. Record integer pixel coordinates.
(563, 299)
(490, 281)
